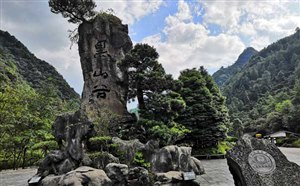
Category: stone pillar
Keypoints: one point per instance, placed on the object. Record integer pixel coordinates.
(103, 42)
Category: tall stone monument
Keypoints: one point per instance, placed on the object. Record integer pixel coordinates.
(103, 42)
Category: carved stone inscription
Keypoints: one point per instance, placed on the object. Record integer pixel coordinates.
(261, 162)
(101, 55)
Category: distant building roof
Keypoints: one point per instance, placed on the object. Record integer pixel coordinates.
(281, 134)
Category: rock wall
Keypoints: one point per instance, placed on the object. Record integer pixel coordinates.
(103, 42)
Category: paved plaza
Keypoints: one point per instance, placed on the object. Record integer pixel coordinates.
(217, 172)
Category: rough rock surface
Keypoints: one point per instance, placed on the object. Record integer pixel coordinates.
(50, 180)
(103, 160)
(128, 147)
(168, 177)
(169, 158)
(197, 166)
(73, 130)
(172, 158)
(117, 173)
(85, 176)
(257, 162)
(103, 42)
(174, 178)
(138, 176)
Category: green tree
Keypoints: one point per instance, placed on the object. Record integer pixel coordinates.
(158, 118)
(158, 102)
(206, 114)
(145, 74)
(25, 119)
(237, 128)
(76, 11)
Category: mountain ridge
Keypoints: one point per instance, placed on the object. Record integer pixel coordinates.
(224, 74)
(16, 61)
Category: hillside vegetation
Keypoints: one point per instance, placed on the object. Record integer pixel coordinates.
(265, 94)
(223, 74)
(32, 94)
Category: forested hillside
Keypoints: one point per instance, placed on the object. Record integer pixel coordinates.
(223, 74)
(32, 94)
(265, 94)
(17, 62)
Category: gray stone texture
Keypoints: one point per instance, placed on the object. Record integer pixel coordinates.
(138, 176)
(103, 42)
(85, 176)
(174, 158)
(128, 148)
(117, 173)
(251, 164)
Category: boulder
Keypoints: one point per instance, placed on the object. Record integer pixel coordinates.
(117, 173)
(103, 159)
(128, 148)
(138, 176)
(172, 158)
(72, 129)
(258, 162)
(176, 178)
(50, 180)
(197, 166)
(168, 177)
(85, 176)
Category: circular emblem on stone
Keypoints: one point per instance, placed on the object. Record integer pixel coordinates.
(261, 162)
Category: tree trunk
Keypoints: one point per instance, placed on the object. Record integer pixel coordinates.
(140, 98)
(24, 158)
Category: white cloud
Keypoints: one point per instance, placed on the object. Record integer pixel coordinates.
(189, 44)
(262, 22)
(131, 11)
(67, 62)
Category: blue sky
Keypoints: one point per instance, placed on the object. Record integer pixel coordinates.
(187, 34)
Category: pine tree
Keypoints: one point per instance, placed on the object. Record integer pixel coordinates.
(206, 114)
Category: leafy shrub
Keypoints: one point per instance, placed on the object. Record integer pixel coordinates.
(296, 143)
(140, 161)
(100, 143)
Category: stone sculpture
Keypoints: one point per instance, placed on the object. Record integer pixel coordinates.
(258, 162)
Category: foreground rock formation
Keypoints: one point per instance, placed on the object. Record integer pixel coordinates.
(103, 42)
(258, 162)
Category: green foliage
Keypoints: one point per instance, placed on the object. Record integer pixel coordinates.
(25, 121)
(165, 134)
(296, 143)
(145, 74)
(224, 74)
(205, 114)
(231, 139)
(264, 94)
(223, 147)
(106, 122)
(100, 143)
(45, 146)
(284, 106)
(159, 104)
(95, 155)
(76, 11)
(139, 160)
(109, 17)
